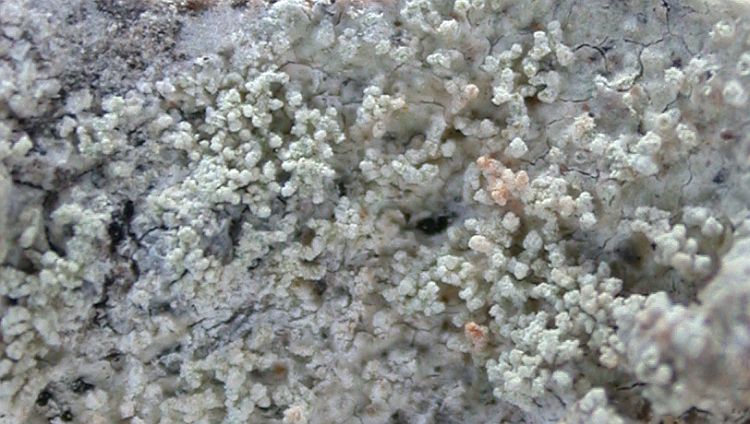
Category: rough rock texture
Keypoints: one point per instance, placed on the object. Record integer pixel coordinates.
(411, 211)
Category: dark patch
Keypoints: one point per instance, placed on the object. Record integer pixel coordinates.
(158, 308)
(116, 360)
(255, 263)
(433, 224)
(398, 417)
(116, 235)
(320, 286)
(727, 135)
(128, 209)
(43, 398)
(170, 359)
(279, 370)
(80, 386)
(234, 230)
(48, 206)
(119, 227)
(198, 5)
(135, 269)
(100, 318)
(66, 416)
(629, 254)
(721, 176)
(307, 235)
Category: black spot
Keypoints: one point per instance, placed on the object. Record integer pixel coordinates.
(66, 415)
(255, 263)
(235, 230)
(135, 269)
(116, 234)
(120, 224)
(320, 287)
(398, 417)
(433, 224)
(128, 209)
(721, 176)
(43, 398)
(80, 386)
(100, 318)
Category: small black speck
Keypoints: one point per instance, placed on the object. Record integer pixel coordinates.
(43, 398)
(66, 415)
(81, 386)
(434, 224)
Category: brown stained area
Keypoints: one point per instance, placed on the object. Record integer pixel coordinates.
(504, 185)
(477, 334)
(198, 5)
(279, 370)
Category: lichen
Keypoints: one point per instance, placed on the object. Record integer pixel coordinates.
(374, 212)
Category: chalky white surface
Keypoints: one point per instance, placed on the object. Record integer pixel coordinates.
(411, 211)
